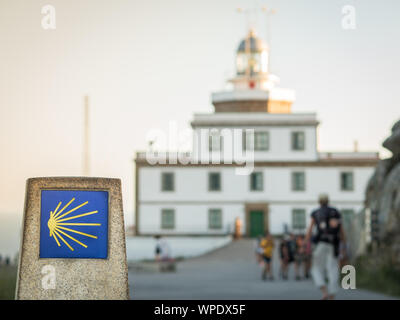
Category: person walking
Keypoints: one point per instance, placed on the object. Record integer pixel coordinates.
(157, 251)
(292, 249)
(300, 257)
(267, 244)
(284, 255)
(325, 256)
(307, 260)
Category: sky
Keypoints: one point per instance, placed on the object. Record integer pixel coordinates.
(146, 63)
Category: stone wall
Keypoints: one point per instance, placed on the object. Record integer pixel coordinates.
(383, 198)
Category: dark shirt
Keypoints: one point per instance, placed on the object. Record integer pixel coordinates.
(283, 248)
(328, 222)
(291, 248)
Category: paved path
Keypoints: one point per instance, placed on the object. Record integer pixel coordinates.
(227, 273)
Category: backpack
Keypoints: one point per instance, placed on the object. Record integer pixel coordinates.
(328, 222)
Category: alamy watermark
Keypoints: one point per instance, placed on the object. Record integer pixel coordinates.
(349, 278)
(349, 17)
(49, 17)
(209, 146)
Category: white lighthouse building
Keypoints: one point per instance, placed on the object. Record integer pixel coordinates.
(204, 191)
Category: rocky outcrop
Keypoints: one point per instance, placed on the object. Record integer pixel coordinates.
(383, 198)
(393, 142)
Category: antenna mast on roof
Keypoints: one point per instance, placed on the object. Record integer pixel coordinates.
(269, 13)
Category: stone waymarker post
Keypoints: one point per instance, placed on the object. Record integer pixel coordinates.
(73, 240)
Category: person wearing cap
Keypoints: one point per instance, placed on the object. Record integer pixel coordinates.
(330, 234)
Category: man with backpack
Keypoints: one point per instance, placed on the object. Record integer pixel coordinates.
(327, 221)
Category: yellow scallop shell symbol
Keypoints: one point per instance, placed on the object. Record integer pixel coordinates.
(57, 223)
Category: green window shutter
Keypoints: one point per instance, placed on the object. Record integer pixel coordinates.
(298, 141)
(214, 181)
(256, 181)
(167, 181)
(167, 219)
(298, 181)
(215, 219)
(347, 181)
(261, 141)
(298, 219)
(215, 141)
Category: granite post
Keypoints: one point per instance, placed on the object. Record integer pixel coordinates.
(73, 240)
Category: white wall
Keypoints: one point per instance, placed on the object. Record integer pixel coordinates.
(191, 184)
(280, 144)
(193, 219)
(282, 214)
(191, 198)
(189, 218)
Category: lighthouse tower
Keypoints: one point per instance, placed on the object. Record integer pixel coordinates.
(254, 87)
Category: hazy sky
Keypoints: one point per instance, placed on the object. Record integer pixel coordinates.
(145, 63)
